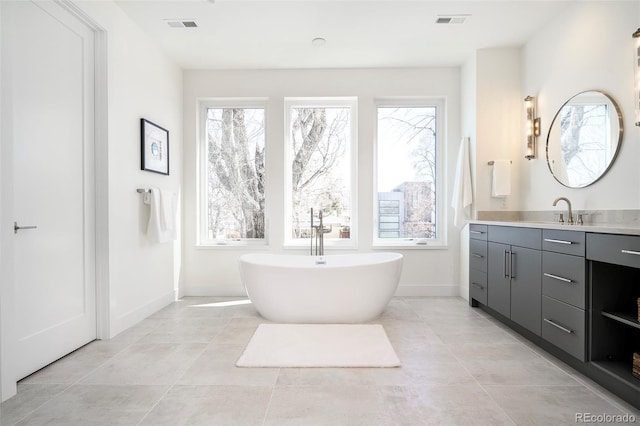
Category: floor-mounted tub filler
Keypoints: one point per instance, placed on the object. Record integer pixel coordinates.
(345, 288)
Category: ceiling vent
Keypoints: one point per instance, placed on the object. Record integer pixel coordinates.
(451, 19)
(173, 23)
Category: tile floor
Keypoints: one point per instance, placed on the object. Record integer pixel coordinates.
(459, 366)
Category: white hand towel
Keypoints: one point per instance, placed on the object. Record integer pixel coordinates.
(501, 182)
(162, 216)
(462, 196)
(168, 210)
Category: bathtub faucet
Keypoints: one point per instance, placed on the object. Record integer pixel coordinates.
(319, 235)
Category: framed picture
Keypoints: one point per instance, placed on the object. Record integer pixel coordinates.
(154, 147)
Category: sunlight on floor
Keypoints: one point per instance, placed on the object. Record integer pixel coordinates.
(223, 304)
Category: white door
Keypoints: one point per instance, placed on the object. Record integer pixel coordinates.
(47, 73)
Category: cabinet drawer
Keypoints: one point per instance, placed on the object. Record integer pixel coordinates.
(478, 255)
(522, 237)
(478, 232)
(564, 326)
(563, 278)
(617, 249)
(478, 286)
(567, 242)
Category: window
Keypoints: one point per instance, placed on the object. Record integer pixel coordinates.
(232, 165)
(408, 189)
(319, 168)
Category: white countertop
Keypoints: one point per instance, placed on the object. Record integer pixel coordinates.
(599, 228)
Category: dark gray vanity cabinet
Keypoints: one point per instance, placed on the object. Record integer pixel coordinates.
(564, 291)
(478, 264)
(514, 281)
(499, 280)
(574, 293)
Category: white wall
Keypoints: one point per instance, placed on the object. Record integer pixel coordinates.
(468, 100)
(215, 271)
(589, 47)
(5, 387)
(142, 83)
(499, 110)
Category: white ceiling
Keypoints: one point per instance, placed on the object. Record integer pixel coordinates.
(258, 34)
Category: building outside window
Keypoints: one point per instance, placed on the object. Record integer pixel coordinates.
(320, 168)
(232, 172)
(408, 162)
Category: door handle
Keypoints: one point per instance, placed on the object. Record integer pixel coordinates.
(504, 265)
(511, 254)
(17, 228)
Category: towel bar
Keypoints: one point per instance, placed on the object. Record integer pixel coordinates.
(491, 163)
(143, 190)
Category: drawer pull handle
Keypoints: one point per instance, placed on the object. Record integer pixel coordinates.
(555, 277)
(550, 240)
(478, 285)
(476, 232)
(566, 330)
(637, 253)
(477, 255)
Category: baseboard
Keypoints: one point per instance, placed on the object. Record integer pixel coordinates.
(427, 290)
(464, 293)
(131, 318)
(213, 291)
(179, 293)
(402, 290)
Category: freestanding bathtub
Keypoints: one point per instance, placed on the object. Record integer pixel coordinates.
(345, 288)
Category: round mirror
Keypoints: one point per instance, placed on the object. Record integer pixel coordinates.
(584, 139)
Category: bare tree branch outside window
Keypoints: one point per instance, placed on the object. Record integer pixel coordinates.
(584, 130)
(407, 171)
(235, 171)
(320, 174)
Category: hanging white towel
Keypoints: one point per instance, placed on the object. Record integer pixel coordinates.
(462, 196)
(501, 182)
(162, 216)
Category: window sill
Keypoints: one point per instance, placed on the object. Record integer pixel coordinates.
(233, 245)
(409, 246)
(327, 246)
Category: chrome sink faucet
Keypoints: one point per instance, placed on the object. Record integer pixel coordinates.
(569, 213)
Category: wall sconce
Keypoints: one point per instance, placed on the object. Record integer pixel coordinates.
(533, 127)
(636, 74)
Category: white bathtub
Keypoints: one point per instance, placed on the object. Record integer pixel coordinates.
(346, 288)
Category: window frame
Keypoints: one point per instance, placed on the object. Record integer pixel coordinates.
(202, 239)
(440, 242)
(350, 102)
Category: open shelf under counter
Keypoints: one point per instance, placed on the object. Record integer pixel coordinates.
(624, 318)
(620, 370)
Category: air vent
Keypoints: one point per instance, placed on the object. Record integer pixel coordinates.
(451, 19)
(181, 24)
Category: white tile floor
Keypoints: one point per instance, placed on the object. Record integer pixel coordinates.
(459, 366)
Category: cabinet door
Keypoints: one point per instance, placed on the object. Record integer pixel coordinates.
(526, 288)
(498, 285)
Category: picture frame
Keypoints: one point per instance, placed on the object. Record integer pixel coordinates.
(154, 147)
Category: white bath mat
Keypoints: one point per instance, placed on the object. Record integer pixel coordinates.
(319, 345)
